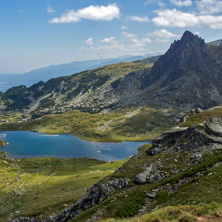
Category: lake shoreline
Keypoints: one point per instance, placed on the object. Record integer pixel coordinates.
(29, 144)
(114, 139)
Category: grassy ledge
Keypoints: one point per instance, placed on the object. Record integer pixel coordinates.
(186, 213)
(130, 124)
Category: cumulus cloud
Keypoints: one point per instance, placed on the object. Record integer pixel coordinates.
(112, 47)
(209, 6)
(163, 35)
(105, 13)
(128, 35)
(89, 41)
(134, 41)
(50, 9)
(138, 19)
(181, 3)
(175, 18)
(109, 40)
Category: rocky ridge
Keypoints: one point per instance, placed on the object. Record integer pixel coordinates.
(187, 76)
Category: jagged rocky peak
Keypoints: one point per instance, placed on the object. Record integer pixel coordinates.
(184, 55)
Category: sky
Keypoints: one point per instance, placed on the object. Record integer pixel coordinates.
(39, 33)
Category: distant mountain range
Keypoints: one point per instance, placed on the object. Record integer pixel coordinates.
(44, 74)
(188, 75)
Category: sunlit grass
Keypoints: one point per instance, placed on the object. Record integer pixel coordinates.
(46, 185)
(127, 124)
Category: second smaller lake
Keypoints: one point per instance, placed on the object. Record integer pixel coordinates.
(26, 144)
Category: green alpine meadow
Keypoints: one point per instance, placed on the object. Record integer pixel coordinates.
(122, 122)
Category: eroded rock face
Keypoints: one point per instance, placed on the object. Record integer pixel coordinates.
(197, 138)
(152, 173)
(161, 141)
(95, 195)
(214, 126)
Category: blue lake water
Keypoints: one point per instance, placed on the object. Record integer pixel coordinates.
(35, 145)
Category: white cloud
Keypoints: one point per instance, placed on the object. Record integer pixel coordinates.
(124, 27)
(50, 9)
(109, 40)
(209, 6)
(128, 35)
(111, 47)
(181, 3)
(89, 41)
(138, 19)
(134, 41)
(175, 18)
(105, 13)
(163, 35)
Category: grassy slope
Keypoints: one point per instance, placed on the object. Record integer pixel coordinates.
(184, 213)
(198, 190)
(62, 90)
(205, 189)
(47, 185)
(196, 118)
(126, 124)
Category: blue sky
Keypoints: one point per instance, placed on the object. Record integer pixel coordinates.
(38, 33)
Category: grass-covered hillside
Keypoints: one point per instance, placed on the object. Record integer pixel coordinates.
(177, 178)
(137, 123)
(43, 187)
(184, 213)
(85, 90)
(182, 167)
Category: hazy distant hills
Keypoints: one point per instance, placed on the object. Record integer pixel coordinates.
(43, 74)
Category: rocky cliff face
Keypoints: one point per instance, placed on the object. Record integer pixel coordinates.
(188, 75)
(185, 55)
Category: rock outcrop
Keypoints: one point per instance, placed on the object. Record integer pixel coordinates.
(199, 138)
(95, 195)
(189, 53)
(142, 177)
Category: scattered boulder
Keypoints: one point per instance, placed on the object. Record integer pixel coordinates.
(142, 177)
(196, 110)
(194, 159)
(153, 151)
(151, 195)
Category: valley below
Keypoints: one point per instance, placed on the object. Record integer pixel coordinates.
(173, 101)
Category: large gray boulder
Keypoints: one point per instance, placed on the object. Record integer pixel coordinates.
(141, 178)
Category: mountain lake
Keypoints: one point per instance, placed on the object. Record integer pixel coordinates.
(26, 144)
